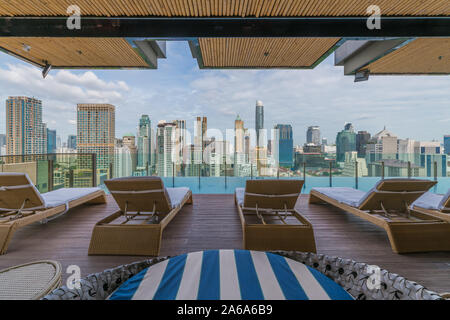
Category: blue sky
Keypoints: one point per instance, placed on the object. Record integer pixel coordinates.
(416, 107)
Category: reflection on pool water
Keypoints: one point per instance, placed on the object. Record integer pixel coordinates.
(222, 185)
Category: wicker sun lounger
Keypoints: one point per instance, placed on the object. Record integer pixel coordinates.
(21, 204)
(387, 205)
(437, 205)
(145, 208)
(269, 218)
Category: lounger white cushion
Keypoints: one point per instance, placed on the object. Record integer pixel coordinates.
(177, 195)
(431, 201)
(349, 196)
(65, 195)
(240, 193)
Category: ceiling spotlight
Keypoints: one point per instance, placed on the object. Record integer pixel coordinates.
(46, 69)
(362, 75)
(26, 47)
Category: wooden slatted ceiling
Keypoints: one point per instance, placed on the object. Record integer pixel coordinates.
(76, 52)
(241, 8)
(263, 52)
(421, 56)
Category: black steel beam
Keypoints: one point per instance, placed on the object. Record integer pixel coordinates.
(169, 28)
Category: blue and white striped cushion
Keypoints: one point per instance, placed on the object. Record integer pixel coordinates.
(230, 275)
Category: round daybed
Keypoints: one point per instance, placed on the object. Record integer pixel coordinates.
(352, 276)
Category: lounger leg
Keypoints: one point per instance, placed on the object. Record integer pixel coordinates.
(99, 200)
(6, 233)
(314, 199)
(190, 200)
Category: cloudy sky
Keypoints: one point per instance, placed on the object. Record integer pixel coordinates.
(414, 107)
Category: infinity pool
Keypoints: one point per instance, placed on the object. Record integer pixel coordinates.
(220, 185)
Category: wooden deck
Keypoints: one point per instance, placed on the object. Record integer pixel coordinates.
(213, 223)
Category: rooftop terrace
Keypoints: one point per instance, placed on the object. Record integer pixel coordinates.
(212, 223)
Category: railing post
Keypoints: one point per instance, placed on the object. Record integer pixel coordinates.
(199, 170)
(251, 170)
(50, 174)
(278, 172)
(147, 168)
(356, 174)
(225, 173)
(382, 170)
(304, 174)
(409, 169)
(70, 178)
(94, 169)
(435, 170)
(173, 174)
(111, 168)
(331, 175)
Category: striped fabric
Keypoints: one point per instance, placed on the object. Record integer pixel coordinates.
(230, 275)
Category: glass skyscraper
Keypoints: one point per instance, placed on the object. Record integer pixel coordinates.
(144, 142)
(285, 145)
(51, 141)
(345, 142)
(447, 144)
(313, 135)
(72, 142)
(259, 121)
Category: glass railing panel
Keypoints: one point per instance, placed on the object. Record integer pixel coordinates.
(53, 171)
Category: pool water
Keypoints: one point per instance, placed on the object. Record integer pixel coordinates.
(220, 185)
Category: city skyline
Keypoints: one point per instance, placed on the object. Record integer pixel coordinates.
(289, 96)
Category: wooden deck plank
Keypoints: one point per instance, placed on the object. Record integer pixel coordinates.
(212, 223)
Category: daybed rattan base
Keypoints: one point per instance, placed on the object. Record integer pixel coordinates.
(110, 238)
(419, 233)
(267, 237)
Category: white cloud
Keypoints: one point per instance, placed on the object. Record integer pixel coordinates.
(60, 91)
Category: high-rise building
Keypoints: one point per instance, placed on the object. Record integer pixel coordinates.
(25, 131)
(259, 122)
(239, 135)
(261, 148)
(129, 141)
(324, 141)
(285, 145)
(2, 139)
(96, 132)
(362, 138)
(345, 142)
(165, 138)
(200, 138)
(348, 126)
(180, 140)
(144, 142)
(72, 142)
(58, 142)
(383, 145)
(447, 144)
(51, 141)
(2, 144)
(313, 135)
